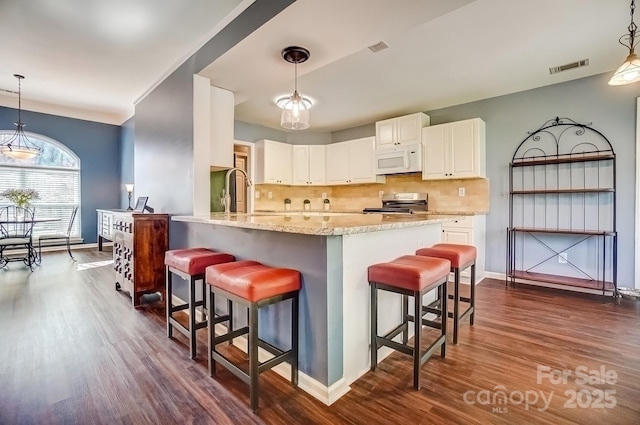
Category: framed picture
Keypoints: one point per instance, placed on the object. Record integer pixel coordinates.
(141, 203)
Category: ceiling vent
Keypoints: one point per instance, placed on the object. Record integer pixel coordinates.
(381, 45)
(568, 66)
(8, 91)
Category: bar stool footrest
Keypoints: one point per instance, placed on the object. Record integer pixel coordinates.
(230, 335)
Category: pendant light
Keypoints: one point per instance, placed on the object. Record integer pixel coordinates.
(629, 71)
(295, 110)
(19, 146)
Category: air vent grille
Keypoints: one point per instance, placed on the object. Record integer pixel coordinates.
(381, 45)
(8, 91)
(568, 66)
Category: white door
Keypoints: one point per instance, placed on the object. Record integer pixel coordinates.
(284, 163)
(386, 133)
(435, 145)
(408, 130)
(362, 160)
(464, 148)
(337, 163)
(317, 164)
(300, 158)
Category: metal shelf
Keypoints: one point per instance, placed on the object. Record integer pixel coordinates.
(575, 162)
(562, 191)
(565, 231)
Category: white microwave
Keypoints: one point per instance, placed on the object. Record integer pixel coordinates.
(399, 159)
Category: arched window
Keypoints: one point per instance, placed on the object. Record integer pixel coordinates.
(54, 174)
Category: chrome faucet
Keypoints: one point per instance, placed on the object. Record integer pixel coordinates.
(226, 201)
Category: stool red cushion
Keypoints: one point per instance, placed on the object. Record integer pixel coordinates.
(251, 280)
(412, 272)
(194, 261)
(459, 255)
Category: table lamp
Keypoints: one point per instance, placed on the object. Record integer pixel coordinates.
(129, 188)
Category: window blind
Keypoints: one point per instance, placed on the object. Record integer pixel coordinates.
(59, 191)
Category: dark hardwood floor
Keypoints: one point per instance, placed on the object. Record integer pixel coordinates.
(74, 351)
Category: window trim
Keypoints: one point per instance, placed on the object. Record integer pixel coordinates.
(77, 168)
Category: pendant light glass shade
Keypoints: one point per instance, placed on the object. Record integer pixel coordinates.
(295, 113)
(19, 146)
(629, 71)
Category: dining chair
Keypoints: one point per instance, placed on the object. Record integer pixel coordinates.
(16, 227)
(59, 236)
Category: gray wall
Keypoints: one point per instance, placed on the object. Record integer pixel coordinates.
(164, 118)
(127, 137)
(97, 146)
(611, 110)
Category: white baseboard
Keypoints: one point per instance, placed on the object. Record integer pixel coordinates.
(327, 395)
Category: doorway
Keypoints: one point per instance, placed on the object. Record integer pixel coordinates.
(241, 194)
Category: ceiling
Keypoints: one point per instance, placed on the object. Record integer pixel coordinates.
(100, 57)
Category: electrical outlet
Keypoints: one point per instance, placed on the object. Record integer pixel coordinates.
(380, 193)
(324, 195)
(563, 258)
(257, 194)
(270, 195)
(461, 191)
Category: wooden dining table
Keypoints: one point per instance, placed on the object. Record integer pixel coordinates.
(33, 253)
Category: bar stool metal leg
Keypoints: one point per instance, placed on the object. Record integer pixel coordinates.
(295, 311)
(253, 356)
(417, 338)
(374, 327)
(169, 291)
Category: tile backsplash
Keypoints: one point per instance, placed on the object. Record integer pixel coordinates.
(443, 194)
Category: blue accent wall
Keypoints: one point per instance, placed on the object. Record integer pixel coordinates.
(96, 144)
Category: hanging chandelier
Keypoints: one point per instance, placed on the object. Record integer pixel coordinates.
(295, 109)
(19, 146)
(629, 71)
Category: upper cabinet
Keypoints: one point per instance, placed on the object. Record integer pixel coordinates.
(352, 162)
(308, 165)
(221, 124)
(273, 162)
(405, 130)
(212, 125)
(454, 150)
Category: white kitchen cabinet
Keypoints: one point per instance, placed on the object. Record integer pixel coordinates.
(352, 162)
(404, 130)
(468, 230)
(454, 150)
(308, 165)
(273, 162)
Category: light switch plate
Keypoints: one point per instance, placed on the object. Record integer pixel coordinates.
(257, 194)
(270, 195)
(461, 191)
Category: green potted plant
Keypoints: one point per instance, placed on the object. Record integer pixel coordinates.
(327, 203)
(307, 204)
(287, 204)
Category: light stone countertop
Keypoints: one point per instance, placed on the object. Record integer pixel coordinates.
(319, 223)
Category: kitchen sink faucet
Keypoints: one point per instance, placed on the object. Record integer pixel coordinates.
(226, 200)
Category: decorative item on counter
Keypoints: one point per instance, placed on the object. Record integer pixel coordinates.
(20, 197)
(307, 204)
(287, 204)
(327, 204)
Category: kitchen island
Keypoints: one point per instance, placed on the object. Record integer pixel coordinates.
(332, 251)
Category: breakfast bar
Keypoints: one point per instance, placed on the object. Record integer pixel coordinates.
(332, 251)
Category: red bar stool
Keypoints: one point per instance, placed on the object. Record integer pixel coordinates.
(409, 275)
(253, 285)
(189, 264)
(461, 257)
